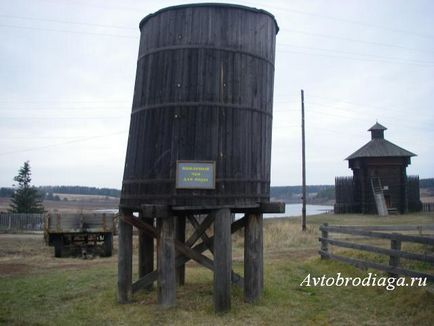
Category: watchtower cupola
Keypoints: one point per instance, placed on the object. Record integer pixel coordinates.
(377, 131)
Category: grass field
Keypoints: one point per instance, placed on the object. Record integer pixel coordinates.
(37, 289)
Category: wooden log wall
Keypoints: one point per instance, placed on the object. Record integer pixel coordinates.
(344, 195)
(413, 191)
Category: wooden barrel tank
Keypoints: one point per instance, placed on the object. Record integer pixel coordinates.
(203, 93)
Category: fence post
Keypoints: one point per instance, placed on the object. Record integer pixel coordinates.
(394, 260)
(324, 243)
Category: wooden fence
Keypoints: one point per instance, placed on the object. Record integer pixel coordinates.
(394, 253)
(428, 207)
(21, 222)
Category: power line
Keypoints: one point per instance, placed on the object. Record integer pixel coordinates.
(66, 31)
(67, 118)
(358, 59)
(357, 54)
(414, 126)
(131, 28)
(341, 38)
(57, 21)
(63, 100)
(63, 143)
(60, 109)
(86, 4)
(376, 107)
(347, 21)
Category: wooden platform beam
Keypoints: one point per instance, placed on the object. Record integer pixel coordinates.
(166, 262)
(125, 260)
(222, 260)
(253, 257)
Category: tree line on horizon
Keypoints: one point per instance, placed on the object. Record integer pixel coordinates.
(47, 192)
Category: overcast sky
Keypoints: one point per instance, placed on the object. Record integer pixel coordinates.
(67, 71)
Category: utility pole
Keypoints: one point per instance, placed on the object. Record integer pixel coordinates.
(303, 163)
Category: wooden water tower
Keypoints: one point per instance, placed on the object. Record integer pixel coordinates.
(199, 144)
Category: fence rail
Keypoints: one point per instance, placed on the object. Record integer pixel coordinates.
(21, 222)
(428, 207)
(395, 253)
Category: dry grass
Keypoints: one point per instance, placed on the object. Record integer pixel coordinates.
(48, 291)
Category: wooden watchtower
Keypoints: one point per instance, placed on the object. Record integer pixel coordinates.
(379, 174)
(199, 145)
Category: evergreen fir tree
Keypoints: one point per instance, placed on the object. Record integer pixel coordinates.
(26, 198)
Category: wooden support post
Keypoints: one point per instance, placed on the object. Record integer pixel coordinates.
(125, 260)
(166, 262)
(253, 258)
(324, 243)
(222, 260)
(394, 260)
(180, 236)
(146, 251)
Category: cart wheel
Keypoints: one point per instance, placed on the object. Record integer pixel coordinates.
(108, 244)
(58, 246)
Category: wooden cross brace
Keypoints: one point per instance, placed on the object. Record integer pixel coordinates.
(188, 252)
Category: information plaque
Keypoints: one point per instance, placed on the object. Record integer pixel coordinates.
(195, 175)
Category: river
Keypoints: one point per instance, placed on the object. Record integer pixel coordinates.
(293, 210)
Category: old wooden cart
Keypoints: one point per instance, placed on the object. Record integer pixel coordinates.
(80, 232)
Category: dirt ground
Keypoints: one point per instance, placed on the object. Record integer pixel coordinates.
(22, 254)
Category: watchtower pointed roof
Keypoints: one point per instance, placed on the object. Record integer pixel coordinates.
(379, 147)
(377, 126)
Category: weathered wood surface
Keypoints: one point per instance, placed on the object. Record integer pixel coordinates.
(324, 240)
(181, 247)
(146, 251)
(391, 171)
(378, 250)
(366, 264)
(253, 257)
(160, 211)
(380, 235)
(204, 92)
(394, 260)
(152, 277)
(345, 201)
(395, 253)
(21, 222)
(166, 289)
(237, 279)
(406, 227)
(180, 236)
(125, 261)
(200, 230)
(428, 207)
(222, 260)
(72, 222)
(260, 208)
